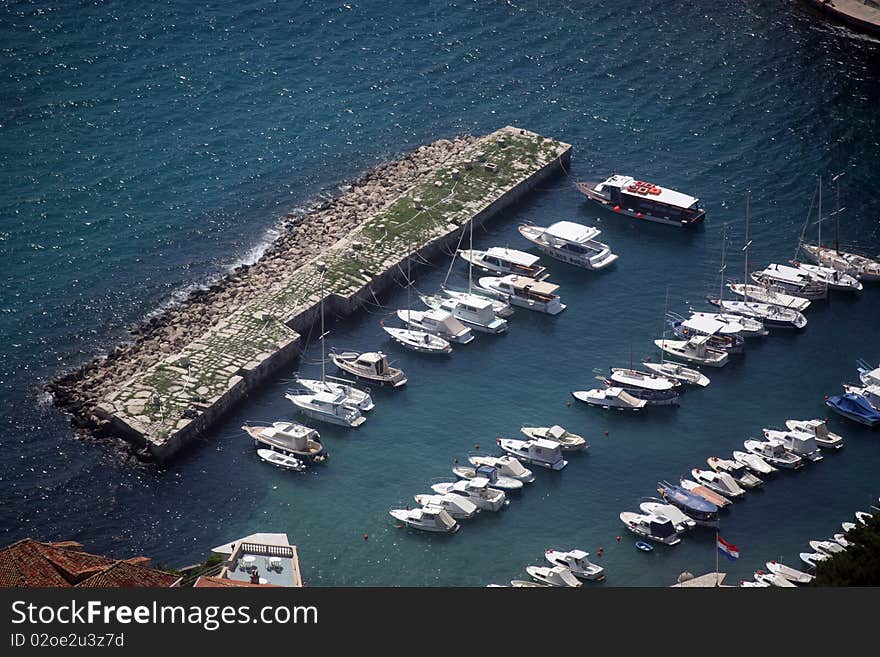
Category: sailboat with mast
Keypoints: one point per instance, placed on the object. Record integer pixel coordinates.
(770, 314)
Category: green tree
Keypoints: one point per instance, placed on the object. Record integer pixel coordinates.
(859, 564)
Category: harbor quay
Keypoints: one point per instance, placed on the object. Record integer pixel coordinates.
(185, 369)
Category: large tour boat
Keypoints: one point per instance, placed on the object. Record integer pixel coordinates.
(644, 200)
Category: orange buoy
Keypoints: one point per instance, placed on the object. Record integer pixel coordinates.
(617, 208)
(638, 215)
(366, 537)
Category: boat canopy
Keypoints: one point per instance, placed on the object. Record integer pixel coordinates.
(569, 231)
(478, 483)
(542, 444)
(513, 256)
(487, 472)
(661, 527)
(530, 285)
(556, 431)
(374, 360)
(578, 554)
(628, 398)
(707, 325)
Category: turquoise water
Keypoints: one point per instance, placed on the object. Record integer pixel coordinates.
(145, 150)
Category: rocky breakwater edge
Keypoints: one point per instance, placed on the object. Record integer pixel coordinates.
(301, 237)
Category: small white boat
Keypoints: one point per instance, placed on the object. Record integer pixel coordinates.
(757, 585)
(720, 482)
(774, 452)
(478, 315)
(420, 341)
(676, 516)
(797, 442)
(746, 327)
(706, 493)
(426, 519)
(868, 375)
(292, 438)
(738, 471)
(679, 372)
(826, 547)
(370, 365)
(791, 574)
(834, 279)
(495, 479)
(791, 280)
(507, 465)
(653, 527)
(813, 558)
(475, 490)
(505, 261)
(524, 292)
(567, 441)
(773, 580)
(847, 526)
(279, 460)
(570, 242)
(609, 398)
(555, 576)
(327, 407)
(771, 315)
(840, 539)
(541, 452)
(437, 322)
(577, 562)
(500, 308)
(819, 430)
(525, 583)
(762, 294)
(862, 517)
(695, 350)
(354, 396)
(628, 378)
(456, 506)
(753, 462)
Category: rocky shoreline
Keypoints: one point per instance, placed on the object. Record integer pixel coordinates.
(301, 237)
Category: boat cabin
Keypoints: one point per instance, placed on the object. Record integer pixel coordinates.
(510, 261)
(440, 517)
(286, 436)
(487, 472)
(528, 288)
(661, 527)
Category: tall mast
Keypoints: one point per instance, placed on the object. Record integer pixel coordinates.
(471, 259)
(820, 213)
(321, 267)
(723, 265)
(837, 215)
(746, 251)
(665, 311)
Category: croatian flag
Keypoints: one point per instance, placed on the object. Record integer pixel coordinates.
(729, 550)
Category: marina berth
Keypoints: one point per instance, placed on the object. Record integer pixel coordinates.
(706, 493)
(854, 264)
(280, 460)
(456, 506)
(567, 441)
(791, 280)
(546, 453)
(327, 407)
(507, 465)
(578, 562)
(420, 341)
(774, 452)
(524, 292)
(653, 527)
(796, 442)
(789, 573)
(738, 471)
(354, 396)
(571, 242)
(614, 397)
(437, 322)
(721, 482)
(502, 260)
(477, 314)
(699, 509)
(426, 519)
(289, 438)
(554, 576)
(643, 200)
(819, 430)
(679, 373)
(753, 462)
(764, 294)
(771, 315)
(489, 473)
(694, 350)
(678, 518)
(371, 366)
(501, 309)
(854, 407)
(475, 490)
(834, 279)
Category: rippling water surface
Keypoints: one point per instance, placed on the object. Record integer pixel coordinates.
(145, 149)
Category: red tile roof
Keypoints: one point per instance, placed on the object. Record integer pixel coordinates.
(217, 582)
(123, 575)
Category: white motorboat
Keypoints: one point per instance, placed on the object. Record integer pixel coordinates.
(478, 314)
(495, 479)
(834, 279)
(420, 341)
(847, 526)
(567, 441)
(475, 490)
(813, 558)
(644, 201)
(426, 519)
(524, 292)
(500, 308)
(746, 327)
(289, 438)
(754, 584)
(577, 562)
(327, 407)
(840, 539)
(720, 482)
(630, 378)
(868, 375)
(676, 516)
(355, 396)
(774, 580)
(753, 462)
(797, 442)
(737, 470)
(555, 576)
(679, 372)
(826, 547)
(862, 517)
(609, 398)
(789, 573)
(507, 465)
(541, 452)
(437, 322)
(695, 350)
(505, 261)
(819, 430)
(721, 335)
(774, 453)
(525, 583)
(281, 460)
(570, 242)
(791, 280)
(653, 527)
(769, 314)
(714, 497)
(763, 294)
(456, 506)
(370, 365)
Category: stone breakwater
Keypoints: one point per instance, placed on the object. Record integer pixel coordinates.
(183, 368)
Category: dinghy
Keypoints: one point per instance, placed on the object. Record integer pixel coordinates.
(567, 441)
(491, 474)
(796, 442)
(420, 341)
(610, 398)
(644, 547)
(863, 517)
(279, 460)
(577, 562)
(774, 453)
(541, 452)
(819, 430)
(455, 505)
(753, 462)
(554, 576)
(509, 466)
(426, 519)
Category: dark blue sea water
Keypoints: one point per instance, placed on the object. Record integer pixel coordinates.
(147, 147)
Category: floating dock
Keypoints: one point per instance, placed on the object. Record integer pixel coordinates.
(167, 404)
